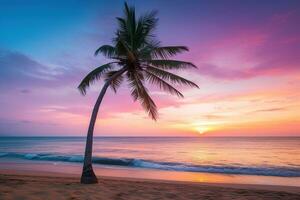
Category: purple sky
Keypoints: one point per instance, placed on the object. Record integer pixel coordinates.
(247, 53)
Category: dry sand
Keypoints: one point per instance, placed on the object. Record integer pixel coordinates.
(23, 186)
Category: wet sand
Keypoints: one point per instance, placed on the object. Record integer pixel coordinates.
(17, 185)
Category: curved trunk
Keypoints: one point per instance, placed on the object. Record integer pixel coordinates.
(88, 176)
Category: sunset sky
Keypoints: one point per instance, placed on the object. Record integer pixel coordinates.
(247, 53)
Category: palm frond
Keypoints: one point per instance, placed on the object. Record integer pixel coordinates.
(136, 32)
(152, 78)
(115, 82)
(147, 22)
(130, 18)
(128, 25)
(124, 50)
(173, 78)
(122, 31)
(168, 51)
(171, 64)
(145, 28)
(145, 52)
(140, 92)
(106, 50)
(93, 76)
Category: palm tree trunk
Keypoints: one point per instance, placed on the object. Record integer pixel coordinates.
(88, 176)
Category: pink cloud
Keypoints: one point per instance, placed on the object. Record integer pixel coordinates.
(267, 50)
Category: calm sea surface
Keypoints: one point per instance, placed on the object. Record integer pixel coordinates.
(251, 156)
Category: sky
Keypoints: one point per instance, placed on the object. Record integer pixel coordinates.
(247, 54)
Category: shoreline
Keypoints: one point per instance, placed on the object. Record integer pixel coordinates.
(76, 177)
(44, 185)
(142, 173)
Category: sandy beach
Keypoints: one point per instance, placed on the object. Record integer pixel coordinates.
(28, 185)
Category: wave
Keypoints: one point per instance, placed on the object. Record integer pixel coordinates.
(140, 163)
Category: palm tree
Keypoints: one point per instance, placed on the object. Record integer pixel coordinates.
(136, 57)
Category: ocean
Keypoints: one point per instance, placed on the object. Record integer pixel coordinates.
(272, 156)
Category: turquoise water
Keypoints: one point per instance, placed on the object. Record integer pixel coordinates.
(250, 156)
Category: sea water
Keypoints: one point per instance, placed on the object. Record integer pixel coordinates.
(266, 156)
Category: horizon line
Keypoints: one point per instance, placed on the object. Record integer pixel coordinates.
(149, 136)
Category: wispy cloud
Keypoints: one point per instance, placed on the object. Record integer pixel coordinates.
(269, 50)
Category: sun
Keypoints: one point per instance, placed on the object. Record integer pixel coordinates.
(202, 130)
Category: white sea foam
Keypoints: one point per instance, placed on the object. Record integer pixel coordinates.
(139, 163)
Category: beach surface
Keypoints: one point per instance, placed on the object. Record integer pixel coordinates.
(30, 185)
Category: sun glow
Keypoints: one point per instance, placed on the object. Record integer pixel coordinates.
(201, 129)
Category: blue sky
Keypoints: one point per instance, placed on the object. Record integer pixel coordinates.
(240, 47)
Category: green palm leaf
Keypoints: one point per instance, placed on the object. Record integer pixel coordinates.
(107, 50)
(152, 78)
(173, 78)
(116, 82)
(140, 92)
(171, 64)
(93, 76)
(145, 27)
(168, 51)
